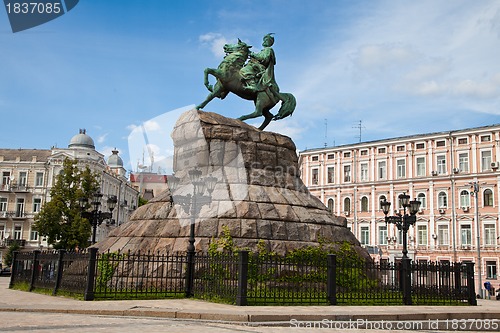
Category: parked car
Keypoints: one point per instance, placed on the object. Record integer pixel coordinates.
(5, 271)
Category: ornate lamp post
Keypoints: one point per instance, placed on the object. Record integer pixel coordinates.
(403, 223)
(192, 204)
(95, 216)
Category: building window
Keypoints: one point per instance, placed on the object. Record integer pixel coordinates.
(315, 158)
(441, 143)
(422, 235)
(331, 174)
(466, 234)
(3, 204)
(347, 173)
(491, 270)
(420, 166)
(488, 197)
(400, 237)
(347, 154)
(443, 235)
(485, 160)
(39, 179)
(37, 205)
(462, 141)
(382, 170)
(381, 199)
(364, 152)
(347, 205)
(463, 162)
(442, 200)
(485, 138)
(489, 234)
(420, 146)
(364, 172)
(365, 236)
(2, 231)
(401, 168)
(315, 176)
(330, 205)
(400, 148)
(441, 164)
(330, 156)
(5, 178)
(364, 204)
(464, 199)
(382, 235)
(23, 177)
(18, 232)
(33, 235)
(20, 207)
(421, 198)
(381, 150)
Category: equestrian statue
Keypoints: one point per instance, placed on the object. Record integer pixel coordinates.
(252, 80)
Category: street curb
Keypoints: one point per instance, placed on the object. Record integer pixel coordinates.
(259, 319)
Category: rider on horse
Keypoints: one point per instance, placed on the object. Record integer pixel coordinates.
(258, 73)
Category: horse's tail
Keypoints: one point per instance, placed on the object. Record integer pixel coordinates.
(287, 106)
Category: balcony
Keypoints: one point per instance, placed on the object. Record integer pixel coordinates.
(19, 188)
(14, 215)
(8, 242)
(14, 188)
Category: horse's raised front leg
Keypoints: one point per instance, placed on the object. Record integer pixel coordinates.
(207, 72)
(218, 91)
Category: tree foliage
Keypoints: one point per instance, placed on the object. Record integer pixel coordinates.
(10, 253)
(60, 219)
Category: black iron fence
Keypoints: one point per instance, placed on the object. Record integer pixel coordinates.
(245, 278)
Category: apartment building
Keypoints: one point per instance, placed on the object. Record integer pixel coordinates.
(445, 171)
(27, 175)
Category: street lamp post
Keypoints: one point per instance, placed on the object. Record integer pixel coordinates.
(96, 216)
(475, 192)
(403, 223)
(192, 204)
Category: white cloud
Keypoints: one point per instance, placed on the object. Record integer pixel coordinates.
(475, 89)
(216, 43)
(102, 138)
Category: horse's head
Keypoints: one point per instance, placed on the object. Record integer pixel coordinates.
(240, 47)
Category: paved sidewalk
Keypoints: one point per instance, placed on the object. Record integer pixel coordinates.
(19, 301)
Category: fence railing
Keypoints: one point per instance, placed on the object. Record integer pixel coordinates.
(245, 278)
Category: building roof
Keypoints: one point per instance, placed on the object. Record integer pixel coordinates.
(148, 178)
(81, 140)
(115, 160)
(409, 137)
(25, 155)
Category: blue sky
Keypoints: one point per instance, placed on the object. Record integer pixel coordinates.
(400, 67)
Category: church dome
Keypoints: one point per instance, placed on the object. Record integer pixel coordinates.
(115, 160)
(81, 140)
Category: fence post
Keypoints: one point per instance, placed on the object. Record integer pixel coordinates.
(34, 270)
(471, 288)
(241, 297)
(331, 279)
(406, 272)
(14, 269)
(457, 271)
(89, 289)
(59, 272)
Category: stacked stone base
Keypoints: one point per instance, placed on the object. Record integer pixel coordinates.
(259, 197)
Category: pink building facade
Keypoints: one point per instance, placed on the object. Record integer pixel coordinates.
(445, 171)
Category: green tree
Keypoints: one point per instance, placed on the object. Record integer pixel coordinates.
(60, 219)
(9, 256)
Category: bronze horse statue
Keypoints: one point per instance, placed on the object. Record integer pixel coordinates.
(230, 79)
